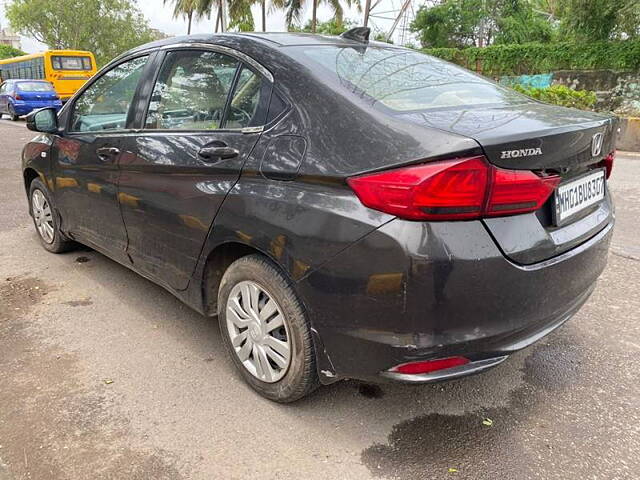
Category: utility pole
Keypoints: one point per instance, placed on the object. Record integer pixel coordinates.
(367, 8)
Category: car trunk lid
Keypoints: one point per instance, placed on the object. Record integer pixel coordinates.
(546, 139)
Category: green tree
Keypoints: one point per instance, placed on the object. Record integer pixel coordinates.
(600, 19)
(330, 27)
(7, 51)
(184, 8)
(520, 23)
(105, 27)
(293, 12)
(464, 23)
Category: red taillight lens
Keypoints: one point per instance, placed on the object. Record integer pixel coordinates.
(607, 163)
(428, 366)
(458, 189)
(518, 191)
(18, 96)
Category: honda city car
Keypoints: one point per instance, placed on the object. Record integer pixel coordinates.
(345, 208)
(21, 97)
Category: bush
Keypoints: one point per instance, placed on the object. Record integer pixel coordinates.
(532, 58)
(7, 52)
(561, 95)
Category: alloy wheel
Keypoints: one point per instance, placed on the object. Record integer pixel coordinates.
(42, 216)
(258, 331)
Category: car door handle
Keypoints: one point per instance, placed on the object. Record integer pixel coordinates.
(214, 154)
(107, 153)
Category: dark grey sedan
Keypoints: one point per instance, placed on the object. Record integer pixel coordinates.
(345, 208)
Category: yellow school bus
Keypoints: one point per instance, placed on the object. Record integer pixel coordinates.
(67, 70)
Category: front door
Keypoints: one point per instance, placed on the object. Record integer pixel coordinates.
(189, 153)
(86, 155)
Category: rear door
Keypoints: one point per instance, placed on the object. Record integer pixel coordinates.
(203, 118)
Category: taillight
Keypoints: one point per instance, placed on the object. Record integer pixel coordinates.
(607, 163)
(427, 366)
(18, 96)
(459, 189)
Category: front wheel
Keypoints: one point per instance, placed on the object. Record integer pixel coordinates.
(45, 219)
(265, 330)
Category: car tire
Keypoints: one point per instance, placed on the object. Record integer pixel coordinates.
(238, 303)
(46, 219)
(12, 114)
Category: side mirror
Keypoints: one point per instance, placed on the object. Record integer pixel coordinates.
(44, 120)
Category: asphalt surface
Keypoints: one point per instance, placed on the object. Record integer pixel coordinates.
(104, 375)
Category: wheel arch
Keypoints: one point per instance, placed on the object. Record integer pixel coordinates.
(216, 263)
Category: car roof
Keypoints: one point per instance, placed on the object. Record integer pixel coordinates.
(267, 39)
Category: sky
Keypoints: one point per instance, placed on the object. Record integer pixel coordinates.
(160, 17)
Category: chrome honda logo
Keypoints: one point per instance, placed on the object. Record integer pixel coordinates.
(596, 144)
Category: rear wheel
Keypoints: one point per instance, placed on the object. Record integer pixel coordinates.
(12, 113)
(45, 219)
(265, 330)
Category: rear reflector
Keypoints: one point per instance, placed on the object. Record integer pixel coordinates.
(459, 189)
(428, 366)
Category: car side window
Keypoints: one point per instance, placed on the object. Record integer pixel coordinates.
(105, 104)
(191, 91)
(245, 100)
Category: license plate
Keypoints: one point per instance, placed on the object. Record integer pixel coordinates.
(573, 197)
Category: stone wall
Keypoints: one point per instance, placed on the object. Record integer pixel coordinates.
(616, 91)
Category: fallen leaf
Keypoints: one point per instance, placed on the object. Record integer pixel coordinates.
(487, 422)
(108, 381)
(452, 470)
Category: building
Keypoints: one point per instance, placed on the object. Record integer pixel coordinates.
(7, 37)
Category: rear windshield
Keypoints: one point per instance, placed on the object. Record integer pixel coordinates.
(405, 80)
(60, 62)
(34, 87)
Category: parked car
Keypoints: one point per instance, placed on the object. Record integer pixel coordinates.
(346, 208)
(20, 97)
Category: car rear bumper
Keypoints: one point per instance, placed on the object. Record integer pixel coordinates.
(413, 291)
(26, 108)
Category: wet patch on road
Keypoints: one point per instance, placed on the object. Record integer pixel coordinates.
(18, 295)
(370, 391)
(78, 303)
(488, 443)
(56, 422)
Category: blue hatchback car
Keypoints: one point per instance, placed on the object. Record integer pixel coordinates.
(20, 97)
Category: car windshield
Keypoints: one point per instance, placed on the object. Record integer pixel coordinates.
(405, 80)
(35, 87)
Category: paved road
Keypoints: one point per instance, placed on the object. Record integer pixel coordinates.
(104, 375)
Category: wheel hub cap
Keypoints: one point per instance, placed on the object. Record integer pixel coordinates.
(258, 331)
(42, 216)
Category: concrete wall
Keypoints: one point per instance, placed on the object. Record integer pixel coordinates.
(629, 137)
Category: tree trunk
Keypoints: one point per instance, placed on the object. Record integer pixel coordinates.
(223, 16)
(217, 20)
(314, 16)
(190, 17)
(264, 15)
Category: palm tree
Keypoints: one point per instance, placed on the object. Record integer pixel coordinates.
(206, 8)
(294, 10)
(186, 8)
